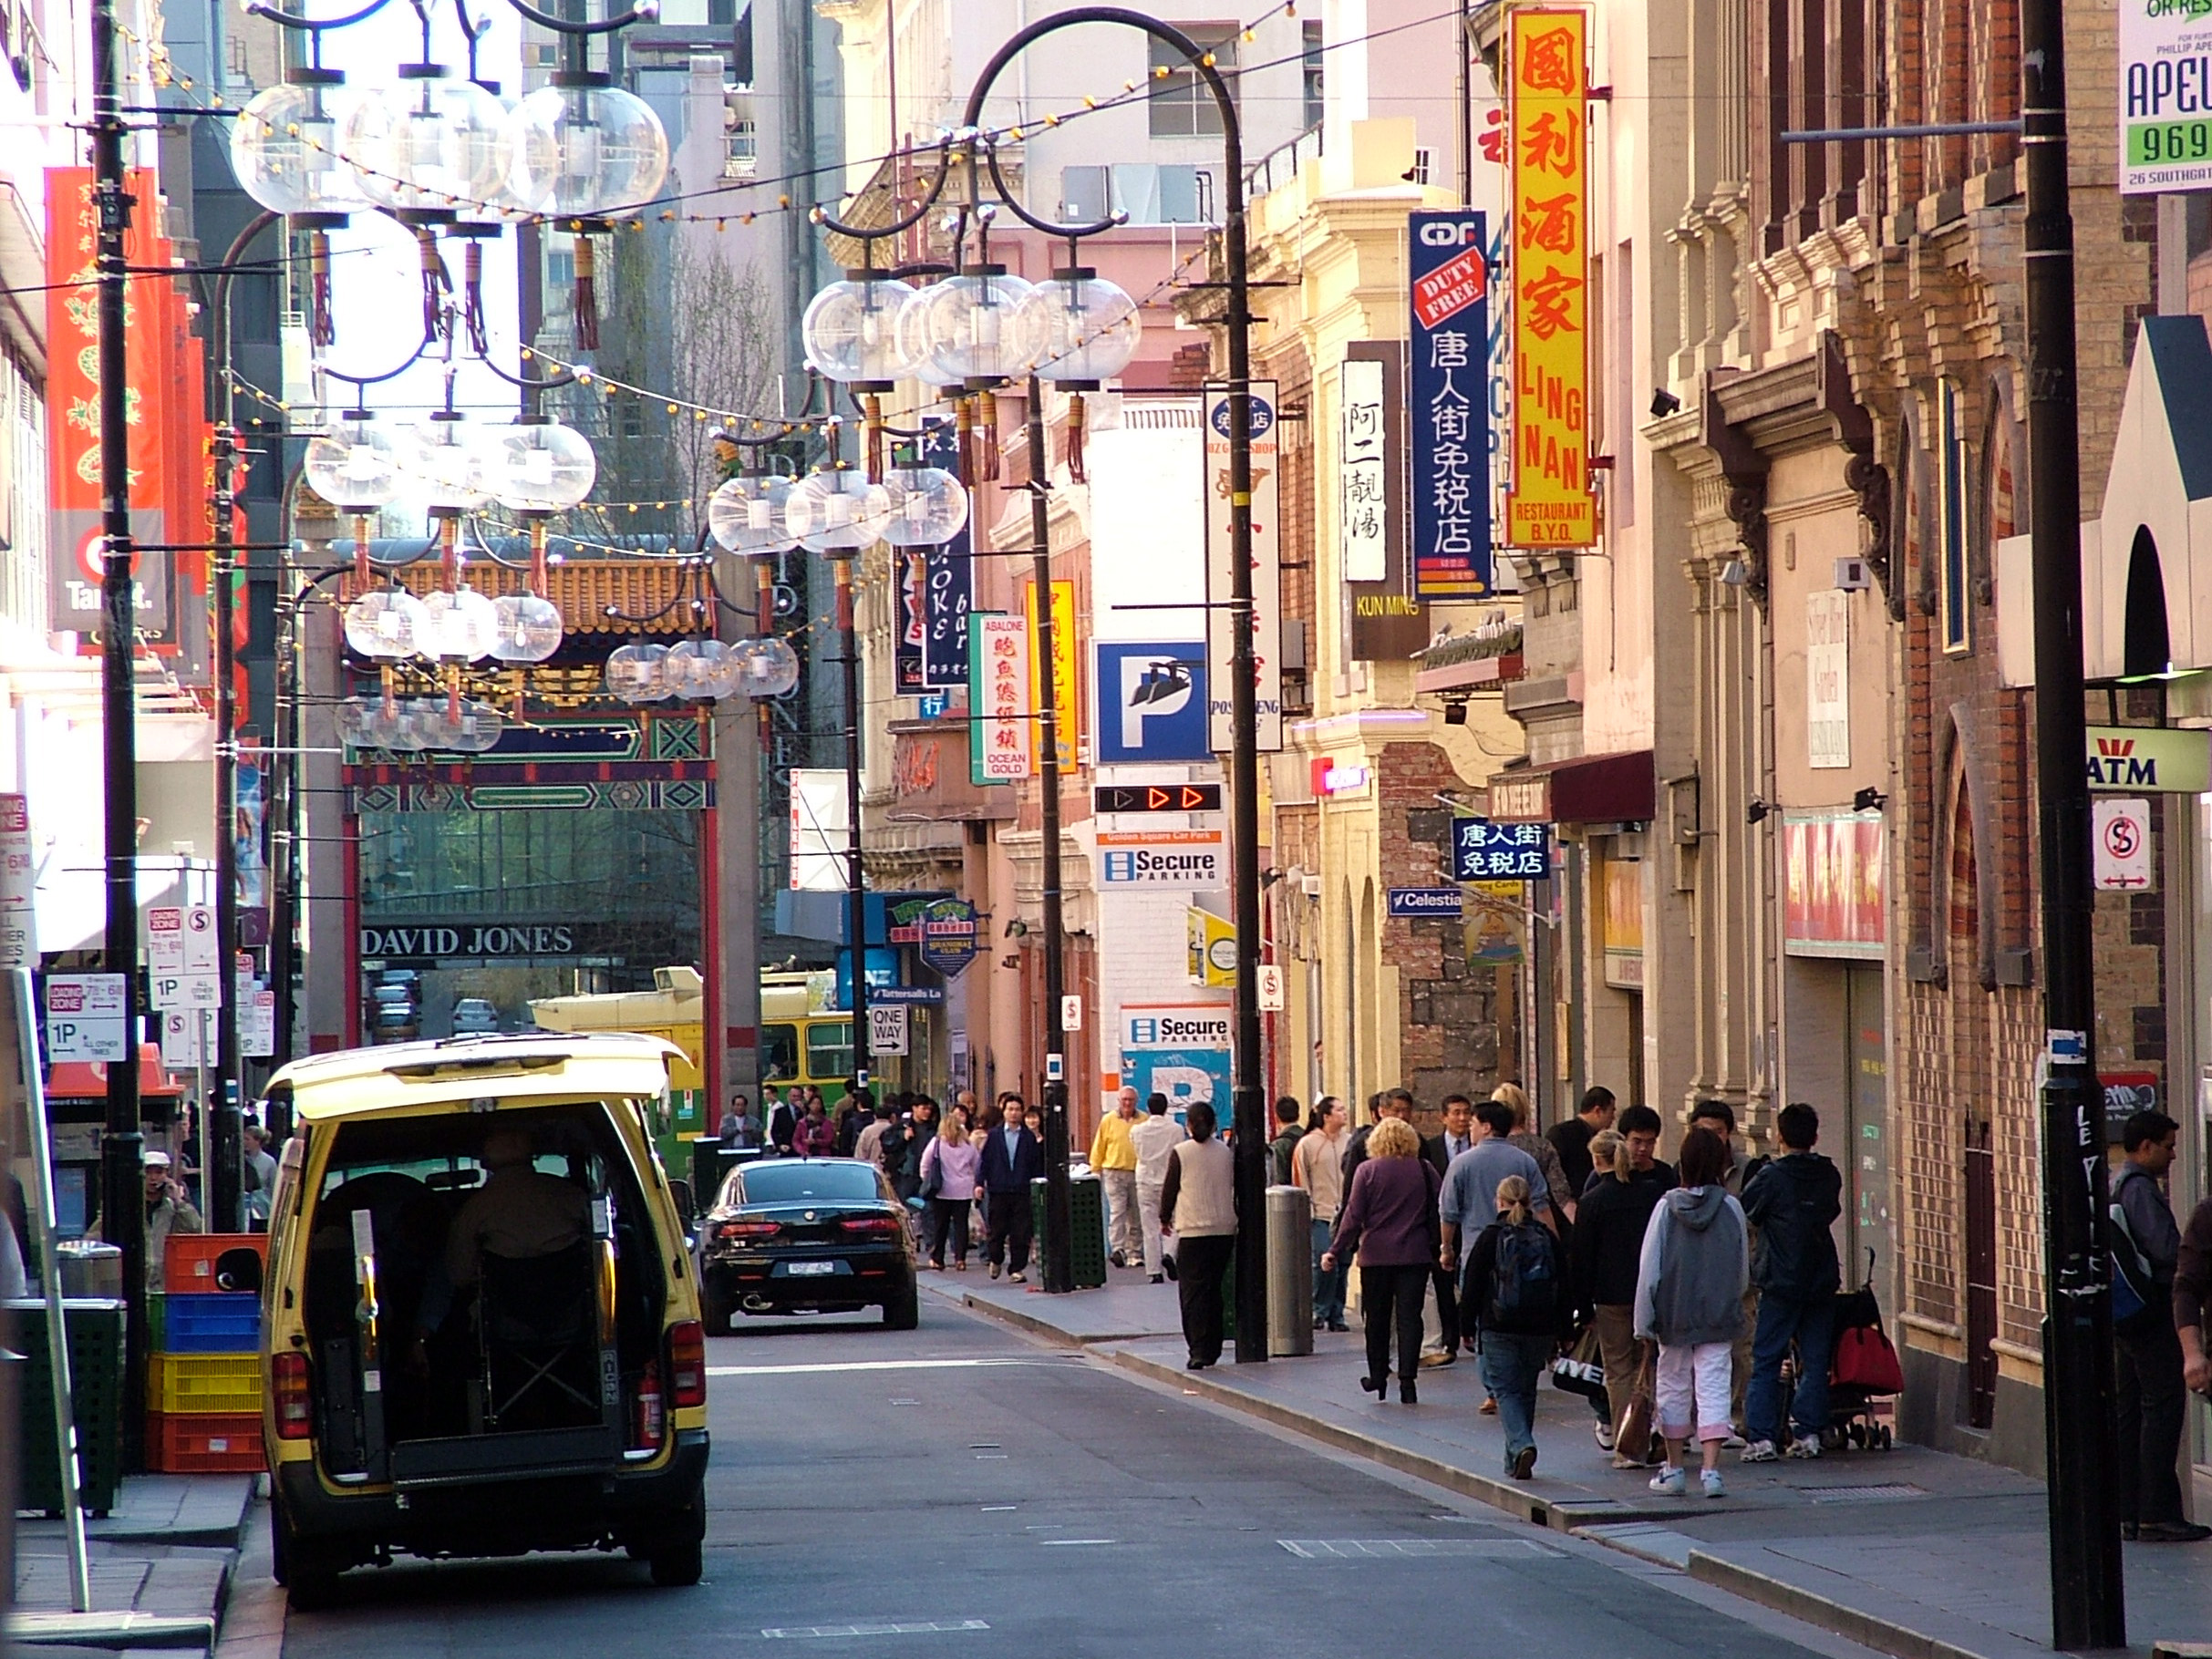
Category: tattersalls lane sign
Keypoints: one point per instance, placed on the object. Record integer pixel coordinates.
(1547, 123)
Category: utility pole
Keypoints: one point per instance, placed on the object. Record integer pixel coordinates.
(2088, 1609)
(221, 1116)
(856, 875)
(122, 1179)
(1059, 1211)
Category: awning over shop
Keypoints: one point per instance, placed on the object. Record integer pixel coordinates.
(1588, 789)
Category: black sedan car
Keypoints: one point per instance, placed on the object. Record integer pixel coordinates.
(806, 1235)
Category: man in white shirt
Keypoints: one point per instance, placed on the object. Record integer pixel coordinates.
(1155, 1136)
(261, 1179)
(1317, 1164)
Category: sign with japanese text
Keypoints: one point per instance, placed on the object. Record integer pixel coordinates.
(1486, 851)
(1064, 649)
(1266, 572)
(998, 697)
(1383, 621)
(948, 582)
(1827, 679)
(1450, 452)
(1549, 503)
(2166, 114)
(1834, 885)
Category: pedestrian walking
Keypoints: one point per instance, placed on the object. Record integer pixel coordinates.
(1469, 1194)
(1012, 1158)
(1389, 1223)
(1518, 1301)
(816, 1136)
(1606, 1253)
(1318, 1166)
(1515, 1097)
(258, 1175)
(854, 1112)
(868, 1144)
(1153, 1137)
(783, 1121)
(1456, 1137)
(1289, 1129)
(1114, 1160)
(2149, 1363)
(949, 1184)
(1791, 1204)
(167, 1210)
(1391, 1103)
(1720, 1118)
(1690, 1288)
(740, 1131)
(1571, 1139)
(1198, 1203)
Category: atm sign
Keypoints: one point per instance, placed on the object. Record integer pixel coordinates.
(2166, 761)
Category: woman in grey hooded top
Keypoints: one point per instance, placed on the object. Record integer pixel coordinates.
(1690, 1300)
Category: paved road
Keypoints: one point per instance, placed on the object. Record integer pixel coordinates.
(1029, 1503)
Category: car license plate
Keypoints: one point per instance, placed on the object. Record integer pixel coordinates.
(806, 1269)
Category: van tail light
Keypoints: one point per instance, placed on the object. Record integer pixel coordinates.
(877, 1224)
(651, 1417)
(289, 1385)
(686, 1363)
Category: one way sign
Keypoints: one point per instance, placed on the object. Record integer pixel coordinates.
(1156, 798)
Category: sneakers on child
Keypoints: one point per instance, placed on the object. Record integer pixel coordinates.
(1805, 1446)
(1669, 1481)
(1759, 1451)
(1710, 1478)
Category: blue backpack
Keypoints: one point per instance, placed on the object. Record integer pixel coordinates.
(1524, 1283)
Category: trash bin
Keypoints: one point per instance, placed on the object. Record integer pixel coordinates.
(96, 1387)
(90, 1270)
(1087, 1207)
(1289, 1271)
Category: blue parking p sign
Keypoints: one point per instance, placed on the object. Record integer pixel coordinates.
(1485, 851)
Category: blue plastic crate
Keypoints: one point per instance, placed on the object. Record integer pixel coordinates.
(213, 1324)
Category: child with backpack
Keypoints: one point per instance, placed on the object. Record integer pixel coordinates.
(1515, 1295)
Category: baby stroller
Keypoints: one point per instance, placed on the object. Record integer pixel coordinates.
(1862, 1368)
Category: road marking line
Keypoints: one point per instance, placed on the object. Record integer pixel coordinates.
(1000, 1508)
(1369, 1548)
(903, 1628)
(882, 1364)
(1054, 1544)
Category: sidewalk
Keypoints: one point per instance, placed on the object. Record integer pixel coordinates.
(160, 1566)
(1908, 1552)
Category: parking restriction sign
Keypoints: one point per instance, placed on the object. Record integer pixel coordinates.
(2120, 835)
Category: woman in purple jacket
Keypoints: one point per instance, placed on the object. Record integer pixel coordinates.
(1389, 1217)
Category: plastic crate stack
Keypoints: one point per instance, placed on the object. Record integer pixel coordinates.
(203, 1390)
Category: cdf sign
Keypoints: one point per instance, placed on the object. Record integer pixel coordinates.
(1449, 357)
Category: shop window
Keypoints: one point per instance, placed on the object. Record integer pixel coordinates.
(1952, 578)
(1313, 71)
(1183, 105)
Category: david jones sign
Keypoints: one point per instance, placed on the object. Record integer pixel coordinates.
(473, 939)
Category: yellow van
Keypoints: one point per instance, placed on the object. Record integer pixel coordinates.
(481, 1325)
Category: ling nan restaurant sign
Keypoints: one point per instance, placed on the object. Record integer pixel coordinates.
(1547, 121)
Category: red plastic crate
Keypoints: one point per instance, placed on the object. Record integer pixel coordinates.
(189, 1266)
(205, 1442)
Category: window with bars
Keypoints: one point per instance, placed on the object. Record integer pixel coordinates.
(1182, 104)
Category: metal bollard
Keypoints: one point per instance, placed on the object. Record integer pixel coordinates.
(1289, 1271)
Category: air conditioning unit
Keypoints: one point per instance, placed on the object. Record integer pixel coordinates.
(1853, 576)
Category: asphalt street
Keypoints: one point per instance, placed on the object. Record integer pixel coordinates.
(958, 1490)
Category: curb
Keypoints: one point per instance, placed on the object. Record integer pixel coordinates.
(1883, 1635)
(1560, 1515)
(1031, 1325)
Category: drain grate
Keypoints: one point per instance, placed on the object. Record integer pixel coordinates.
(1874, 1493)
(792, 1632)
(1372, 1549)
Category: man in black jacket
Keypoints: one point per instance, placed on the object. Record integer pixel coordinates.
(1012, 1158)
(1440, 1151)
(1571, 1139)
(1793, 1202)
(1607, 1247)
